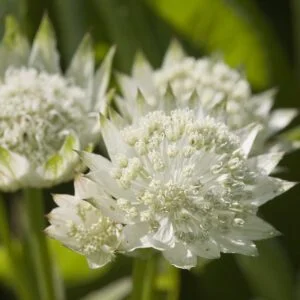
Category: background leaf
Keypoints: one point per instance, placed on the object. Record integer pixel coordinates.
(270, 273)
(114, 291)
(234, 28)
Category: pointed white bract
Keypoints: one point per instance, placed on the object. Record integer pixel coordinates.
(182, 183)
(44, 114)
(218, 86)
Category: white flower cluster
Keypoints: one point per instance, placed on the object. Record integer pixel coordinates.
(48, 108)
(45, 115)
(189, 158)
(83, 228)
(178, 184)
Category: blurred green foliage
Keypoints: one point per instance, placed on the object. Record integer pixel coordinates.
(251, 35)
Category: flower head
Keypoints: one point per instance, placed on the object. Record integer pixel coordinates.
(44, 114)
(183, 184)
(83, 228)
(217, 85)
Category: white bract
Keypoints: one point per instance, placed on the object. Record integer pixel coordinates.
(217, 85)
(45, 114)
(182, 183)
(83, 228)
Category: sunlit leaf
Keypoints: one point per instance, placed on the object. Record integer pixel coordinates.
(234, 28)
(73, 266)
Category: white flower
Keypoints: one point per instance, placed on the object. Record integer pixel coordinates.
(83, 228)
(45, 115)
(217, 85)
(185, 185)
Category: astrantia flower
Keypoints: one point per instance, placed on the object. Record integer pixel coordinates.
(83, 228)
(45, 115)
(185, 185)
(217, 85)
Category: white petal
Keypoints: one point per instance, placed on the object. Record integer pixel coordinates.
(13, 170)
(266, 162)
(124, 107)
(248, 135)
(96, 196)
(44, 55)
(229, 244)
(255, 229)
(81, 69)
(174, 53)
(64, 200)
(113, 139)
(264, 102)
(207, 249)
(128, 86)
(95, 162)
(116, 118)
(169, 101)
(86, 188)
(134, 236)
(60, 233)
(110, 185)
(143, 74)
(269, 188)
(165, 233)
(280, 118)
(99, 259)
(180, 257)
(141, 66)
(101, 83)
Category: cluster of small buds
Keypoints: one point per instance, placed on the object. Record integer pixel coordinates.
(102, 234)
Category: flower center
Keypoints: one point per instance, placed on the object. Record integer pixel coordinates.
(37, 110)
(102, 233)
(190, 171)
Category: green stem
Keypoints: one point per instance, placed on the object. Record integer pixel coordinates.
(144, 278)
(174, 291)
(21, 284)
(36, 239)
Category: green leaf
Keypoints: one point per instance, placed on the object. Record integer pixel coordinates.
(6, 275)
(128, 25)
(270, 273)
(72, 266)
(114, 291)
(71, 22)
(234, 28)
